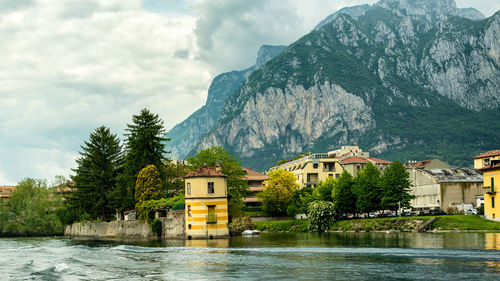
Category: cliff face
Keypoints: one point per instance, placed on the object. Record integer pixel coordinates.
(185, 135)
(404, 79)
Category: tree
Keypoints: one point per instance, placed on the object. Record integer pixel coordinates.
(175, 176)
(368, 190)
(396, 187)
(320, 215)
(96, 175)
(148, 187)
(237, 186)
(30, 210)
(324, 189)
(144, 145)
(344, 199)
(279, 190)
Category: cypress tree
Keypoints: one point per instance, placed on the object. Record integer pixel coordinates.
(96, 174)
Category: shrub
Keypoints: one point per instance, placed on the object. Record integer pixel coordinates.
(320, 215)
(292, 211)
(157, 227)
(451, 210)
(241, 224)
(480, 210)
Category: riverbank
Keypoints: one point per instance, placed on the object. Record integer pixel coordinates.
(448, 223)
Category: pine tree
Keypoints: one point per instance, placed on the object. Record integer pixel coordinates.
(396, 187)
(96, 174)
(344, 199)
(368, 189)
(145, 145)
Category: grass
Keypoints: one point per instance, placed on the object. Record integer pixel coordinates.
(288, 225)
(447, 222)
(461, 222)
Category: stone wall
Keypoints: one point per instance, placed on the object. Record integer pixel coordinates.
(173, 228)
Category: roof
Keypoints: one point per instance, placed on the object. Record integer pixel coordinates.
(205, 172)
(377, 160)
(488, 154)
(354, 160)
(492, 166)
(455, 175)
(254, 175)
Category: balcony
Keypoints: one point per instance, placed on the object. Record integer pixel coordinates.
(489, 190)
(211, 218)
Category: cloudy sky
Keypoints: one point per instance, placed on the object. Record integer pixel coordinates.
(69, 66)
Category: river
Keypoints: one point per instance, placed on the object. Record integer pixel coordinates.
(286, 256)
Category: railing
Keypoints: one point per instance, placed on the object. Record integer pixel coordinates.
(211, 218)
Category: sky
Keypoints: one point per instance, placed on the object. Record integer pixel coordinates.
(70, 66)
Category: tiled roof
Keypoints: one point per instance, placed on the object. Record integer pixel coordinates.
(205, 172)
(354, 159)
(381, 161)
(493, 166)
(254, 175)
(489, 154)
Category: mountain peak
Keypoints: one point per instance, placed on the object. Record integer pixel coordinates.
(266, 53)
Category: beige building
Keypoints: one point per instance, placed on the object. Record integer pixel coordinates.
(5, 192)
(206, 204)
(429, 164)
(311, 169)
(485, 159)
(443, 188)
(255, 182)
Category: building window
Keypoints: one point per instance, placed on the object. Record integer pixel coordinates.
(492, 184)
(189, 210)
(330, 175)
(189, 226)
(492, 202)
(315, 165)
(189, 188)
(211, 188)
(487, 162)
(337, 176)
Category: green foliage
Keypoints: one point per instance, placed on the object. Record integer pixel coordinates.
(368, 189)
(396, 187)
(464, 222)
(95, 192)
(145, 145)
(148, 188)
(157, 227)
(292, 211)
(175, 178)
(321, 215)
(240, 224)
(279, 190)
(302, 198)
(237, 186)
(30, 210)
(480, 210)
(324, 189)
(343, 195)
(288, 225)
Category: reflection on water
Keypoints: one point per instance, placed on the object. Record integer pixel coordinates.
(339, 256)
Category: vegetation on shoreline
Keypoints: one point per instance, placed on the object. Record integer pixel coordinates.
(406, 224)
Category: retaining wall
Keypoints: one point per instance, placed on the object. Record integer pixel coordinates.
(173, 228)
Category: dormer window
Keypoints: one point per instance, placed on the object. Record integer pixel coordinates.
(487, 162)
(211, 188)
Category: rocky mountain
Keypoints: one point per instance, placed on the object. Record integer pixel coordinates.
(405, 79)
(186, 134)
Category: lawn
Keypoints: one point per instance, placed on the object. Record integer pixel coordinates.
(462, 222)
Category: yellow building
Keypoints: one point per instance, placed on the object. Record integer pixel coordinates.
(206, 204)
(5, 192)
(485, 159)
(311, 169)
(491, 178)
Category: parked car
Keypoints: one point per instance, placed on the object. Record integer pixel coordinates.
(437, 212)
(406, 214)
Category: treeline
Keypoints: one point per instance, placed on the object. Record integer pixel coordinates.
(369, 191)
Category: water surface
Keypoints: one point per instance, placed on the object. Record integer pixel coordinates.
(302, 256)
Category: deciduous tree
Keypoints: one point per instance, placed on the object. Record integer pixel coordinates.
(344, 199)
(320, 215)
(368, 190)
(396, 187)
(279, 189)
(148, 187)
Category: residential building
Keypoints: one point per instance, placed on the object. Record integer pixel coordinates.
(313, 168)
(206, 204)
(491, 176)
(5, 192)
(429, 164)
(443, 188)
(485, 159)
(255, 182)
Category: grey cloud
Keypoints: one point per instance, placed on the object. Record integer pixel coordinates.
(10, 5)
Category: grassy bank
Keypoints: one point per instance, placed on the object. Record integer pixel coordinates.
(446, 223)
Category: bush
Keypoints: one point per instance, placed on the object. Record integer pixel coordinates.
(292, 211)
(452, 210)
(289, 226)
(480, 210)
(240, 224)
(157, 227)
(321, 214)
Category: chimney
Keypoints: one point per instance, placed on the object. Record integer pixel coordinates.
(217, 167)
